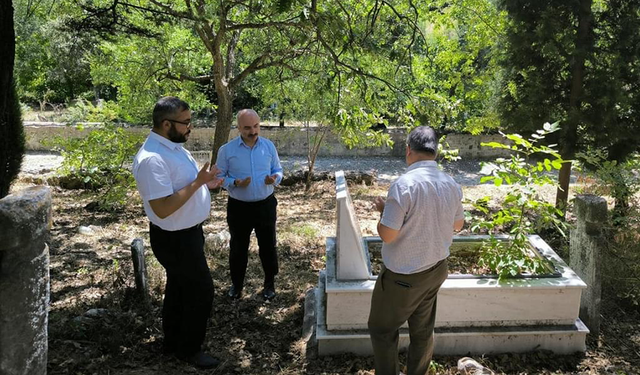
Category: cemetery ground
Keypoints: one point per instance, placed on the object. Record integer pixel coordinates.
(98, 325)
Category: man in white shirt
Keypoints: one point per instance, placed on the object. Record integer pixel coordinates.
(422, 210)
(176, 200)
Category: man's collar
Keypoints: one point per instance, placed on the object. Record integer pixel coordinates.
(241, 141)
(171, 145)
(422, 164)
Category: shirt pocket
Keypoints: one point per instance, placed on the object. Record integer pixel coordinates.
(239, 166)
(262, 162)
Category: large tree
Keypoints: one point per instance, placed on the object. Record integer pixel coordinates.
(240, 37)
(576, 62)
(51, 65)
(388, 52)
(12, 140)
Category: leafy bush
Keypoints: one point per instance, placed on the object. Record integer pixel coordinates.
(85, 111)
(621, 181)
(523, 211)
(99, 160)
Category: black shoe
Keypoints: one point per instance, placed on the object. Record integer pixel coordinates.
(200, 360)
(269, 292)
(234, 292)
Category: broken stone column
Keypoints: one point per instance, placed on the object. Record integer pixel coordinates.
(586, 247)
(140, 269)
(24, 281)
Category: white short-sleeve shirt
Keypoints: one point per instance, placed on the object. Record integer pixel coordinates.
(161, 168)
(422, 204)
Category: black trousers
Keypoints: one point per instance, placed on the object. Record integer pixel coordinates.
(243, 218)
(188, 295)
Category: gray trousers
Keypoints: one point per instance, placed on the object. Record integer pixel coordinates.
(399, 298)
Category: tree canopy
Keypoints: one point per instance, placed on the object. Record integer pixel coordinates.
(578, 63)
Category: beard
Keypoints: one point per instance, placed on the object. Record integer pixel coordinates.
(176, 137)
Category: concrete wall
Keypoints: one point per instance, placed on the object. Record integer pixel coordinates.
(288, 140)
(24, 281)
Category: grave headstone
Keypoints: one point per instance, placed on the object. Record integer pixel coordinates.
(352, 260)
(586, 246)
(140, 268)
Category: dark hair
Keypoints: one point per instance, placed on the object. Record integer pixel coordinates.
(423, 139)
(167, 106)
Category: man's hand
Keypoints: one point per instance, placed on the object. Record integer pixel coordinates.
(268, 180)
(243, 183)
(378, 204)
(214, 184)
(205, 175)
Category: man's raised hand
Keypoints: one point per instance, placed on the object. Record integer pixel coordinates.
(378, 204)
(243, 182)
(268, 180)
(207, 175)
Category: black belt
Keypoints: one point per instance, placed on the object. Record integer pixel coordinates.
(253, 202)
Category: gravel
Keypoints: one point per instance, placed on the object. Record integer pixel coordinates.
(386, 169)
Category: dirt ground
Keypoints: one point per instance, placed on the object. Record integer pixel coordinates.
(98, 325)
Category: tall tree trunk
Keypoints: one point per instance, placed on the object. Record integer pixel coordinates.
(8, 40)
(12, 142)
(570, 139)
(223, 122)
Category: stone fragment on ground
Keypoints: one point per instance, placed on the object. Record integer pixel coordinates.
(217, 241)
(469, 366)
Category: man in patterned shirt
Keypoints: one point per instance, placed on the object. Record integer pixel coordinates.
(422, 210)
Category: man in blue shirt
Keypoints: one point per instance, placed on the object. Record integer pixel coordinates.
(251, 168)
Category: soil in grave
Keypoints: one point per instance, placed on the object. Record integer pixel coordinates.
(250, 336)
(461, 262)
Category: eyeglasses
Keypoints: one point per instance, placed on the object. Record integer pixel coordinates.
(185, 123)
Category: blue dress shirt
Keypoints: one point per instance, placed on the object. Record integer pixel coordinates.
(236, 160)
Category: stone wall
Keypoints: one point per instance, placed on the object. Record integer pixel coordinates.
(289, 141)
(24, 281)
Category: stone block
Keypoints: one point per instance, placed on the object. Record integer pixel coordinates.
(25, 219)
(586, 246)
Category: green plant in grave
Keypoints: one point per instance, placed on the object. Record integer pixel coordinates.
(100, 160)
(523, 211)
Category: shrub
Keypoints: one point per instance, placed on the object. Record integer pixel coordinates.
(84, 110)
(620, 181)
(523, 211)
(100, 159)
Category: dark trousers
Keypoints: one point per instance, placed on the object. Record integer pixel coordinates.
(188, 295)
(401, 298)
(243, 218)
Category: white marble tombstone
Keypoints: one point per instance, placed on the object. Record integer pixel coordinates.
(352, 260)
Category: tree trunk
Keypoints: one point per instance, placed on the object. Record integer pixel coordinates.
(8, 40)
(12, 142)
(583, 47)
(223, 122)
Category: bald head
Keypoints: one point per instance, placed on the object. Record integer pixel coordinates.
(245, 115)
(248, 126)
